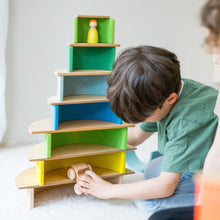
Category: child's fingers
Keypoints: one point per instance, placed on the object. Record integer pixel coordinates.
(86, 191)
(78, 188)
(86, 178)
(81, 190)
(83, 184)
(91, 174)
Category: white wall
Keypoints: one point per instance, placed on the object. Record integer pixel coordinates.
(39, 31)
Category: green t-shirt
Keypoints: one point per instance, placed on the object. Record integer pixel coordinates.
(187, 132)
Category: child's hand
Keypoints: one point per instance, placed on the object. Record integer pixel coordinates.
(91, 184)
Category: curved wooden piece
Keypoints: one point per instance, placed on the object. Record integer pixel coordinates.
(83, 111)
(81, 72)
(89, 56)
(27, 178)
(95, 139)
(38, 152)
(44, 126)
(133, 162)
(92, 16)
(76, 99)
(92, 45)
(81, 85)
(105, 28)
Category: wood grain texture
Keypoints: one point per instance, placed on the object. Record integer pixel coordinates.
(36, 153)
(85, 72)
(27, 178)
(44, 126)
(75, 99)
(92, 45)
(92, 16)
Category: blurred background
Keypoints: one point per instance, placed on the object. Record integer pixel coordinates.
(38, 33)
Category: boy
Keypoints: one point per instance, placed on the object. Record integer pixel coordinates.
(210, 20)
(145, 86)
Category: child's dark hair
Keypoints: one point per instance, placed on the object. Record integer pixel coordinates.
(142, 79)
(210, 18)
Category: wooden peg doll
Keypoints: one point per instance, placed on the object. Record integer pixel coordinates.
(92, 33)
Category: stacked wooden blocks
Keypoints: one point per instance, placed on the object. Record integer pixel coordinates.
(82, 127)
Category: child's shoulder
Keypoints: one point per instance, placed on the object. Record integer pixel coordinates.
(199, 92)
(197, 101)
(197, 86)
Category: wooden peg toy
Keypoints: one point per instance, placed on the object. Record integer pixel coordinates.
(76, 171)
(92, 36)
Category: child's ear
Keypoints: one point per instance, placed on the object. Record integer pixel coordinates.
(172, 98)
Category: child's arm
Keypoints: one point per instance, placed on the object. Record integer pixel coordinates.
(159, 187)
(136, 136)
(212, 162)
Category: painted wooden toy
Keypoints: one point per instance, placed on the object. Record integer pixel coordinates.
(82, 129)
(92, 33)
(76, 171)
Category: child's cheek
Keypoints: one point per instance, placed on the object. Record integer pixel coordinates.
(216, 56)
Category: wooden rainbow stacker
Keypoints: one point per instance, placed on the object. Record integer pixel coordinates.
(82, 127)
